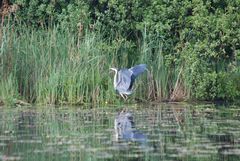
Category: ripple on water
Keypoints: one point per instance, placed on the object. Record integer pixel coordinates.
(46, 150)
(134, 155)
(6, 138)
(3, 144)
(28, 141)
(74, 148)
(231, 152)
(103, 155)
(5, 157)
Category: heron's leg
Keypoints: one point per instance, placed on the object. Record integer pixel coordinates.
(126, 97)
(123, 96)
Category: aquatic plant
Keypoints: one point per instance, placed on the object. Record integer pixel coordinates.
(56, 66)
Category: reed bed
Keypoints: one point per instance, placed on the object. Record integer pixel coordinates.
(57, 66)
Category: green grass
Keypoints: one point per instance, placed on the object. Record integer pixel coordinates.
(56, 66)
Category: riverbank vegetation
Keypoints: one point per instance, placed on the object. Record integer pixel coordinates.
(57, 52)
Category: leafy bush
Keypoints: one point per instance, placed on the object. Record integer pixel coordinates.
(47, 12)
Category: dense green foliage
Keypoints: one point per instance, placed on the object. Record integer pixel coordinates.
(190, 46)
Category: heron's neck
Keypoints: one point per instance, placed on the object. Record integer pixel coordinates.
(115, 78)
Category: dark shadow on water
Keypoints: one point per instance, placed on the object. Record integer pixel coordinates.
(26, 124)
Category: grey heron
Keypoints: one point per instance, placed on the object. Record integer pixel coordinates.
(124, 79)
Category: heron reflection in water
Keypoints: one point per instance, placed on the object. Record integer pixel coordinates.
(124, 79)
(125, 129)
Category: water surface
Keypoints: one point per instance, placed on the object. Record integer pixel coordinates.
(173, 132)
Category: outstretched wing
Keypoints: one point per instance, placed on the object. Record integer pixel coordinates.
(138, 69)
(124, 80)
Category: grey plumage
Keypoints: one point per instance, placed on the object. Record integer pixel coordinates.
(124, 79)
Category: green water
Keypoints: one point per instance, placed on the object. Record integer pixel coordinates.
(174, 132)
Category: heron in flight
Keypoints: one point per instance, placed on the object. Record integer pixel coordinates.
(124, 79)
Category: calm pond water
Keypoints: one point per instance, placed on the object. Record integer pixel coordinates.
(171, 132)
